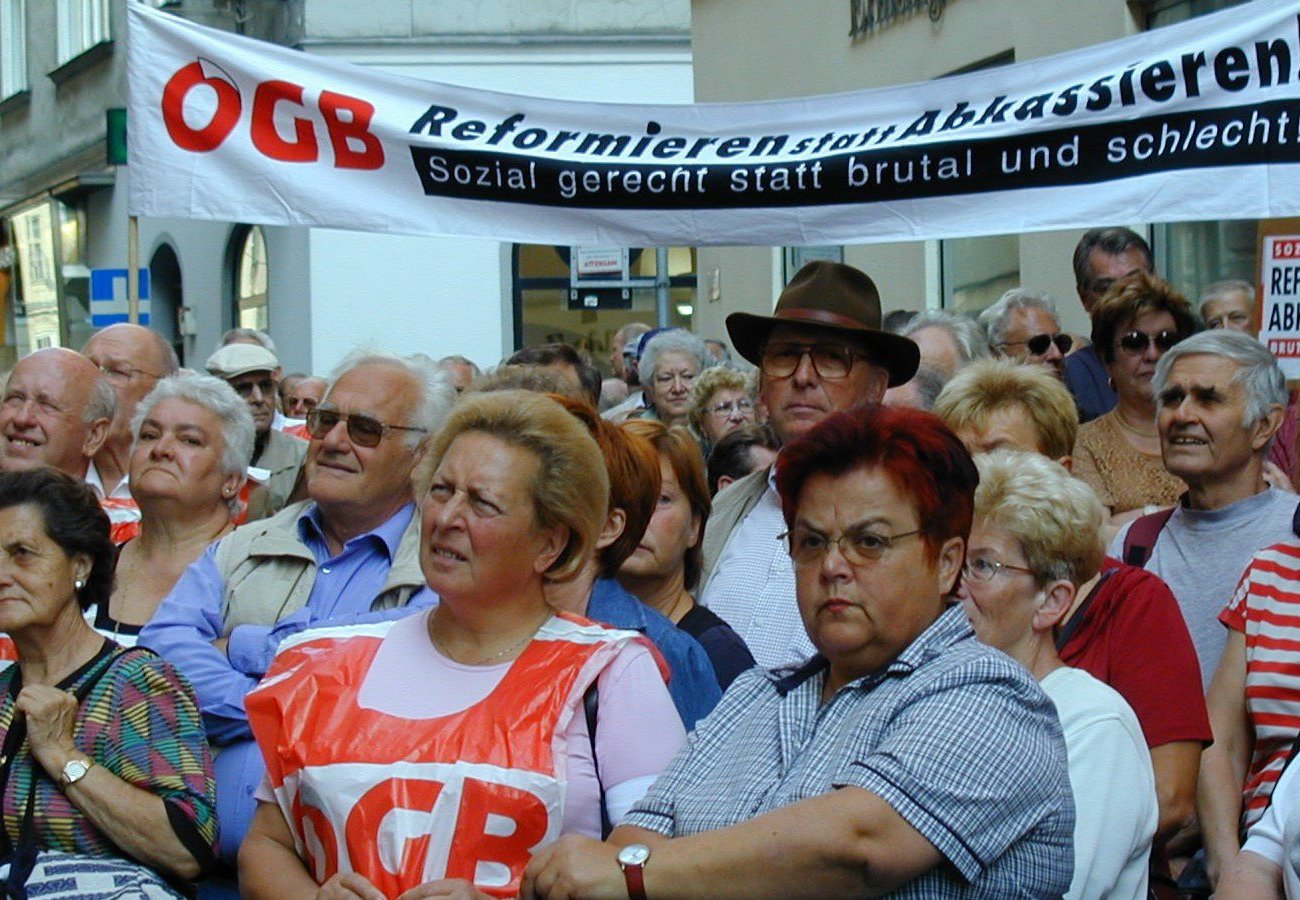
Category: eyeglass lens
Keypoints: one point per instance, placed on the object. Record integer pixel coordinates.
(362, 430)
(1039, 343)
(1138, 341)
(829, 361)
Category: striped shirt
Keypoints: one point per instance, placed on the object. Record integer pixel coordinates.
(1266, 609)
(956, 737)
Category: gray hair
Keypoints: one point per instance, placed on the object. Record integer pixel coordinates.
(102, 402)
(994, 319)
(1259, 372)
(1221, 290)
(674, 340)
(929, 383)
(437, 395)
(965, 331)
(261, 338)
(217, 397)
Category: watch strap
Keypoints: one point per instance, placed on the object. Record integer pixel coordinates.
(634, 875)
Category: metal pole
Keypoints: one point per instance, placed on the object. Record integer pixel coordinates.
(133, 270)
(661, 286)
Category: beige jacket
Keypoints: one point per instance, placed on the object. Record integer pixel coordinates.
(730, 507)
(268, 572)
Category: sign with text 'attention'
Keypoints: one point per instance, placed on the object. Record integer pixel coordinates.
(1198, 120)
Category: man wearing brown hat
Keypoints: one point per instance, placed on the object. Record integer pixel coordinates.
(277, 457)
(821, 352)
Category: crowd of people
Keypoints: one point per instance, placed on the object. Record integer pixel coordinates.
(918, 604)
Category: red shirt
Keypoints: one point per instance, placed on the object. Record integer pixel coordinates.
(1133, 637)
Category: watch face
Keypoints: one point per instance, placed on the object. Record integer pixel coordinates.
(75, 769)
(634, 854)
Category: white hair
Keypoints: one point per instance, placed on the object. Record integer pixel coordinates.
(217, 397)
(965, 331)
(437, 395)
(1262, 376)
(994, 319)
(673, 340)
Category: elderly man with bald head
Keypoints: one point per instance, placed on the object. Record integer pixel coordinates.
(133, 359)
(56, 412)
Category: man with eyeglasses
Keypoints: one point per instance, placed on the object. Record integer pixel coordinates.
(277, 457)
(1022, 325)
(822, 351)
(1102, 257)
(347, 556)
(133, 359)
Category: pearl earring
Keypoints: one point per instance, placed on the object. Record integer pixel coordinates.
(79, 584)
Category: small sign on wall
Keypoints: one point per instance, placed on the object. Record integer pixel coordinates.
(108, 297)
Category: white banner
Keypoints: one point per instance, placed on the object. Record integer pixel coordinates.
(1199, 120)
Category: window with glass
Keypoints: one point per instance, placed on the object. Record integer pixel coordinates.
(81, 25)
(1166, 12)
(13, 47)
(546, 313)
(975, 272)
(1193, 255)
(251, 307)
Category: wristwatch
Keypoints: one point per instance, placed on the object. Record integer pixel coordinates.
(74, 770)
(632, 859)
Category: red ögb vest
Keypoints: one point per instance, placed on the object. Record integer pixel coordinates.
(405, 801)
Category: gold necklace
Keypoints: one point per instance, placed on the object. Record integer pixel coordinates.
(513, 648)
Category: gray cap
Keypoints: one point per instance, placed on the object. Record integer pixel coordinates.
(240, 359)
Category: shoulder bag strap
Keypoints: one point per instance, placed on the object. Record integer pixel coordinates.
(1141, 538)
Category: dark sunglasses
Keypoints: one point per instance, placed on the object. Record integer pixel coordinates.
(363, 431)
(1038, 344)
(1139, 341)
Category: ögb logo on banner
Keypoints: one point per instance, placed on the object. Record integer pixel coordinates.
(407, 823)
(346, 119)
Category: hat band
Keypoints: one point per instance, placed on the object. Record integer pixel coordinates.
(824, 317)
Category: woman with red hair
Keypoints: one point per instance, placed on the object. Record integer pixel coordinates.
(895, 758)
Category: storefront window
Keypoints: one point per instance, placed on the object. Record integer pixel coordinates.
(1194, 255)
(36, 306)
(977, 271)
(545, 313)
(251, 307)
(76, 276)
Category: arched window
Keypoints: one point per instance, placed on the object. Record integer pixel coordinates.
(251, 309)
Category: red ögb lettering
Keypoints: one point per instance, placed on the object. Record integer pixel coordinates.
(346, 119)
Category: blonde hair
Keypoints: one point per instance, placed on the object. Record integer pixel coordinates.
(984, 387)
(1056, 518)
(571, 488)
(709, 382)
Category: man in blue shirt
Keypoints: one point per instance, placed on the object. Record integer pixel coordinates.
(349, 554)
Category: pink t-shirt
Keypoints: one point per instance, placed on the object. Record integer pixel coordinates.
(638, 730)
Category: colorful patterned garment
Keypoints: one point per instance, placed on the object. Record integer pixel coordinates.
(140, 721)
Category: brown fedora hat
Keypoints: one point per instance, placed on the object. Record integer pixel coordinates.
(834, 297)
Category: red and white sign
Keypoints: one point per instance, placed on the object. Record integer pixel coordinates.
(1279, 289)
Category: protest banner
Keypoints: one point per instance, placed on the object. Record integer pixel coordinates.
(1199, 120)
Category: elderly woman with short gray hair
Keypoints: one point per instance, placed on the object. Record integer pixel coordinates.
(193, 439)
(670, 362)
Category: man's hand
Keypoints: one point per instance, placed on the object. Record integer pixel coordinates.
(349, 886)
(446, 889)
(575, 867)
(51, 716)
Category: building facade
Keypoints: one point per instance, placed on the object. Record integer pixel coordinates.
(318, 292)
(847, 45)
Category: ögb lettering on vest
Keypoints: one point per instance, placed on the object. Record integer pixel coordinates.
(408, 823)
